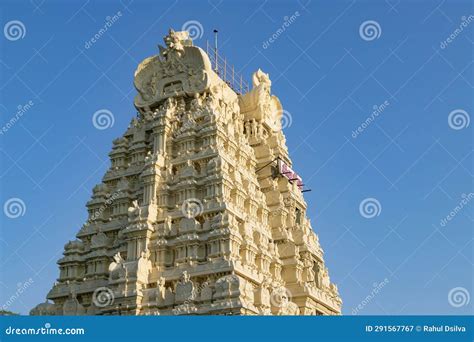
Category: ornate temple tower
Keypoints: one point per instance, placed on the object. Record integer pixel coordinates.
(200, 212)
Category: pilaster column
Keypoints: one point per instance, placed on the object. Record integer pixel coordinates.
(160, 131)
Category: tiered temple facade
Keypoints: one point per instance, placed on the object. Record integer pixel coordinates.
(194, 215)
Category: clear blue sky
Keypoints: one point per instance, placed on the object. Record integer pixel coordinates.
(327, 77)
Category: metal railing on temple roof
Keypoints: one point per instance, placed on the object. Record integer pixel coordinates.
(226, 72)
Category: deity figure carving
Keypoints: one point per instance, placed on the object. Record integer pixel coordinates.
(135, 211)
(263, 297)
(185, 289)
(261, 79)
(160, 290)
(174, 43)
(308, 270)
(116, 267)
(143, 265)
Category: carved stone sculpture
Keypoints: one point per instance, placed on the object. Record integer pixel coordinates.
(134, 212)
(185, 290)
(116, 267)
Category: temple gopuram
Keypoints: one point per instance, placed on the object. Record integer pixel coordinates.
(200, 212)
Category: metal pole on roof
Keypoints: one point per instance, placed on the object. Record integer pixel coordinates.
(225, 68)
(215, 49)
